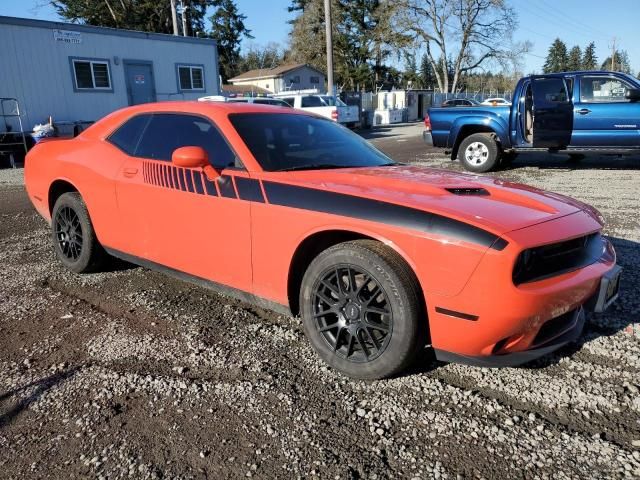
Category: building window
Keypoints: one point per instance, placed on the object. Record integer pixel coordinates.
(91, 74)
(190, 77)
(295, 79)
(314, 79)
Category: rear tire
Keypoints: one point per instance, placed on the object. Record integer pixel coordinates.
(479, 153)
(362, 310)
(74, 239)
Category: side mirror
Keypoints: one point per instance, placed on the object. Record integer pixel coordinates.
(194, 157)
(633, 94)
(190, 157)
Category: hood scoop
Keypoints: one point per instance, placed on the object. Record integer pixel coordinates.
(468, 191)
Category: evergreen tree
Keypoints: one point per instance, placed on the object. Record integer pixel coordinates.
(621, 62)
(574, 62)
(589, 59)
(557, 57)
(427, 76)
(228, 29)
(143, 15)
(410, 76)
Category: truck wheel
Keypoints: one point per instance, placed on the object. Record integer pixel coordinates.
(361, 310)
(74, 239)
(479, 153)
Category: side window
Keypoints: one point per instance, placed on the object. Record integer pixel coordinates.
(190, 77)
(603, 89)
(314, 79)
(311, 101)
(549, 90)
(167, 132)
(291, 101)
(126, 137)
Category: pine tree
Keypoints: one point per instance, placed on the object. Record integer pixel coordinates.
(621, 63)
(557, 57)
(427, 76)
(410, 76)
(574, 62)
(143, 15)
(228, 31)
(589, 59)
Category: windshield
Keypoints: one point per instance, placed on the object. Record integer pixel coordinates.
(281, 141)
(332, 101)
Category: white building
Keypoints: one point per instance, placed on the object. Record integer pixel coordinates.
(78, 73)
(285, 77)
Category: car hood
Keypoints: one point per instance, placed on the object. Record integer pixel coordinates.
(486, 202)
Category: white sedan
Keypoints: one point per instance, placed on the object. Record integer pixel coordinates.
(497, 102)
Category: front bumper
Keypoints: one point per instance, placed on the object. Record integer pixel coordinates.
(571, 332)
(427, 137)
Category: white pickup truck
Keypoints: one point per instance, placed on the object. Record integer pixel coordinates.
(324, 105)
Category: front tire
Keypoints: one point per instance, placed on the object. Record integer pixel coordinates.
(361, 310)
(74, 239)
(479, 153)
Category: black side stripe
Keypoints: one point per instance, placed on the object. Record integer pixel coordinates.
(197, 183)
(249, 189)
(376, 211)
(453, 313)
(225, 183)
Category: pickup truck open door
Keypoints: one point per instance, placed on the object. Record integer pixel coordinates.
(552, 113)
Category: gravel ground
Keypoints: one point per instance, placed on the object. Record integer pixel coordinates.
(130, 373)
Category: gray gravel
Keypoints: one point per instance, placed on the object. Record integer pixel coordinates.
(131, 374)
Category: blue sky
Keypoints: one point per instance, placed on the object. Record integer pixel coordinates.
(577, 22)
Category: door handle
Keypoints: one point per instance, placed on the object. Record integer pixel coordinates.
(583, 111)
(130, 172)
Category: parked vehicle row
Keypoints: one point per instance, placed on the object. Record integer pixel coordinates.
(573, 112)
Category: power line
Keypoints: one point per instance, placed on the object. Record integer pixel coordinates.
(544, 16)
(575, 21)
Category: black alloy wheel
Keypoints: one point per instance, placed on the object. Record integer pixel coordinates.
(68, 232)
(352, 313)
(362, 309)
(74, 239)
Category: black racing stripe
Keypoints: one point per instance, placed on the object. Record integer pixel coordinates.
(197, 182)
(453, 313)
(189, 180)
(210, 187)
(225, 182)
(249, 189)
(376, 211)
(180, 178)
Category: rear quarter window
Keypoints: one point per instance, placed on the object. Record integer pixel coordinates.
(128, 135)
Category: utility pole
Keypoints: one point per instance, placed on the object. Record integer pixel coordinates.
(184, 18)
(328, 30)
(613, 55)
(174, 17)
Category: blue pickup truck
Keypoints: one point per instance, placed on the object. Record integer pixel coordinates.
(571, 112)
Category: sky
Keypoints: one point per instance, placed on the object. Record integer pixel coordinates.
(576, 22)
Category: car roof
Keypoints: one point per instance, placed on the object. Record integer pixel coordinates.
(106, 125)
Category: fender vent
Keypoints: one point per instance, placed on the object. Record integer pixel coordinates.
(467, 191)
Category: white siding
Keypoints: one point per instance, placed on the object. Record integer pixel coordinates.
(35, 69)
(284, 82)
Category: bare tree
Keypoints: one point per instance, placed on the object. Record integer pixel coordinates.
(460, 35)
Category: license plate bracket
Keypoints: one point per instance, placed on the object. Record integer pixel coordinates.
(609, 289)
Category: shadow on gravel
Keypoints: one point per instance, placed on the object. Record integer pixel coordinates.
(624, 315)
(550, 161)
(41, 386)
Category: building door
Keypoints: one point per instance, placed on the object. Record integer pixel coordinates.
(141, 87)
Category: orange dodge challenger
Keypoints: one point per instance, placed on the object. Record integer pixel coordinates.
(295, 212)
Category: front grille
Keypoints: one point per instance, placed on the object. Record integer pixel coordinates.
(550, 260)
(554, 328)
